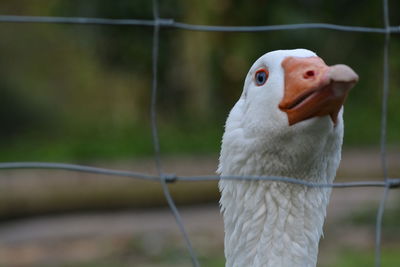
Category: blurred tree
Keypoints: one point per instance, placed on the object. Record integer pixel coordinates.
(79, 81)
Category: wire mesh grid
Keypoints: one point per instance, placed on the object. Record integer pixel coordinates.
(157, 23)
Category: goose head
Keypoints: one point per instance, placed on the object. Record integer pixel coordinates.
(291, 104)
(288, 87)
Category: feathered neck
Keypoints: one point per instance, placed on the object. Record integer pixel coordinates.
(272, 223)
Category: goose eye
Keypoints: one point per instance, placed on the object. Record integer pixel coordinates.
(261, 77)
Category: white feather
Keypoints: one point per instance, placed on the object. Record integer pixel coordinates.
(273, 223)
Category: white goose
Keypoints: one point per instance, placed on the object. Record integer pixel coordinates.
(287, 122)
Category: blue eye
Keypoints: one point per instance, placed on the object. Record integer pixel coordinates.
(261, 77)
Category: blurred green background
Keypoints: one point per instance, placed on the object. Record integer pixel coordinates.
(81, 94)
(77, 92)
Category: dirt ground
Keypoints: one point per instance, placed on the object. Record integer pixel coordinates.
(142, 236)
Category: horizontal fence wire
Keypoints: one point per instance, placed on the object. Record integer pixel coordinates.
(171, 23)
(157, 22)
(171, 178)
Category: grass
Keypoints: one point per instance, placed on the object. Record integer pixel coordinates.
(110, 143)
(367, 217)
(107, 142)
(355, 258)
(176, 257)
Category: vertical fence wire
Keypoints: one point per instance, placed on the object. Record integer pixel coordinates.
(385, 91)
(383, 136)
(154, 85)
(156, 141)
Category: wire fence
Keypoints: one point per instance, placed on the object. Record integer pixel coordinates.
(157, 23)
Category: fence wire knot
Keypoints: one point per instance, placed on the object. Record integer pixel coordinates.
(394, 183)
(164, 22)
(169, 178)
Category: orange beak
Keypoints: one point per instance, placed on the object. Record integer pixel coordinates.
(313, 89)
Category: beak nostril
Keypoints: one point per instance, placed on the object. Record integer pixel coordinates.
(309, 74)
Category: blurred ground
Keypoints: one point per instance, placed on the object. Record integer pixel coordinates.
(134, 235)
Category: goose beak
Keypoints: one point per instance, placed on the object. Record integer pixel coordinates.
(313, 89)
